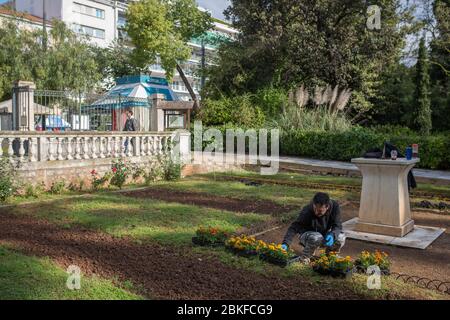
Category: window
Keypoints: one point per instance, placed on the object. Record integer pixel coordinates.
(90, 31)
(87, 10)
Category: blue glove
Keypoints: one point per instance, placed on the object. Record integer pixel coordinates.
(329, 240)
(284, 246)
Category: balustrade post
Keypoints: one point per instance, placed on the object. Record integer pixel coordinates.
(108, 147)
(78, 148)
(51, 156)
(86, 148)
(101, 148)
(32, 149)
(69, 148)
(59, 147)
(94, 147)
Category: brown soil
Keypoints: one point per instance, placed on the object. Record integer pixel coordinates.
(212, 201)
(432, 263)
(159, 272)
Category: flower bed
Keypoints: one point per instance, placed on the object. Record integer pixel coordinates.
(209, 236)
(275, 254)
(333, 265)
(243, 246)
(250, 247)
(377, 258)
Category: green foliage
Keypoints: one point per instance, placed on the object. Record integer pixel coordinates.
(343, 146)
(8, 184)
(171, 168)
(34, 191)
(57, 187)
(239, 111)
(395, 97)
(282, 43)
(68, 62)
(161, 28)
(30, 278)
(99, 181)
(271, 101)
(120, 172)
(423, 108)
(316, 119)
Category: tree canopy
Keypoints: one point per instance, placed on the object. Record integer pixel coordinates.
(284, 43)
(66, 63)
(162, 28)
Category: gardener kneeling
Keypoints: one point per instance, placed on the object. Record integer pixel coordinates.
(318, 224)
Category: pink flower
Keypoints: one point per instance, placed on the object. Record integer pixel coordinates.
(93, 172)
(114, 169)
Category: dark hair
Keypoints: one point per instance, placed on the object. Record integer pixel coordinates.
(321, 198)
(129, 111)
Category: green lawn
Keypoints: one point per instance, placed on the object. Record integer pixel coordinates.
(297, 178)
(30, 278)
(139, 218)
(280, 194)
(23, 277)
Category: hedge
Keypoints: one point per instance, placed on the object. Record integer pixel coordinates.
(434, 150)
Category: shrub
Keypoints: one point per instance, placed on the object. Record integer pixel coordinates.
(119, 173)
(97, 181)
(345, 145)
(306, 119)
(34, 191)
(57, 187)
(171, 168)
(216, 112)
(154, 173)
(7, 179)
(239, 110)
(271, 101)
(246, 114)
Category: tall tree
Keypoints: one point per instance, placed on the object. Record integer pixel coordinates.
(162, 28)
(68, 62)
(440, 65)
(286, 42)
(423, 108)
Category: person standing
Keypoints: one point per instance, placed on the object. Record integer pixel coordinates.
(131, 124)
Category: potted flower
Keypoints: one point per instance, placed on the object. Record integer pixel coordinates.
(244, 246)
(275, 254)
(209, 236)
(378, 258)
(334, 265)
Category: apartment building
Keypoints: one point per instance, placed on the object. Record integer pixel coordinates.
(103, 21)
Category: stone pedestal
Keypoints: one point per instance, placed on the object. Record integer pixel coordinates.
(385, 207)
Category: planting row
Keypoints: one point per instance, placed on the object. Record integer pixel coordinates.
(328, 263)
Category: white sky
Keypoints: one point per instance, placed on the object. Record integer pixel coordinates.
(216, 6)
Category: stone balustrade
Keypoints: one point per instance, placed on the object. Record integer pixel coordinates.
(42, 147)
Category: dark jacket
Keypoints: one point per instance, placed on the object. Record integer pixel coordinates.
(308, 221)
(131, 125)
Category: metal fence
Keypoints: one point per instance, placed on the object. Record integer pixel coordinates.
(61, 111)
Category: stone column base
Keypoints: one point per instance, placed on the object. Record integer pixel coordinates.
(383, 229)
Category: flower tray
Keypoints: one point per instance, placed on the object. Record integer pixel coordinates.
(242, 253)
(334, 273)
(199, 242)
(278, 262)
